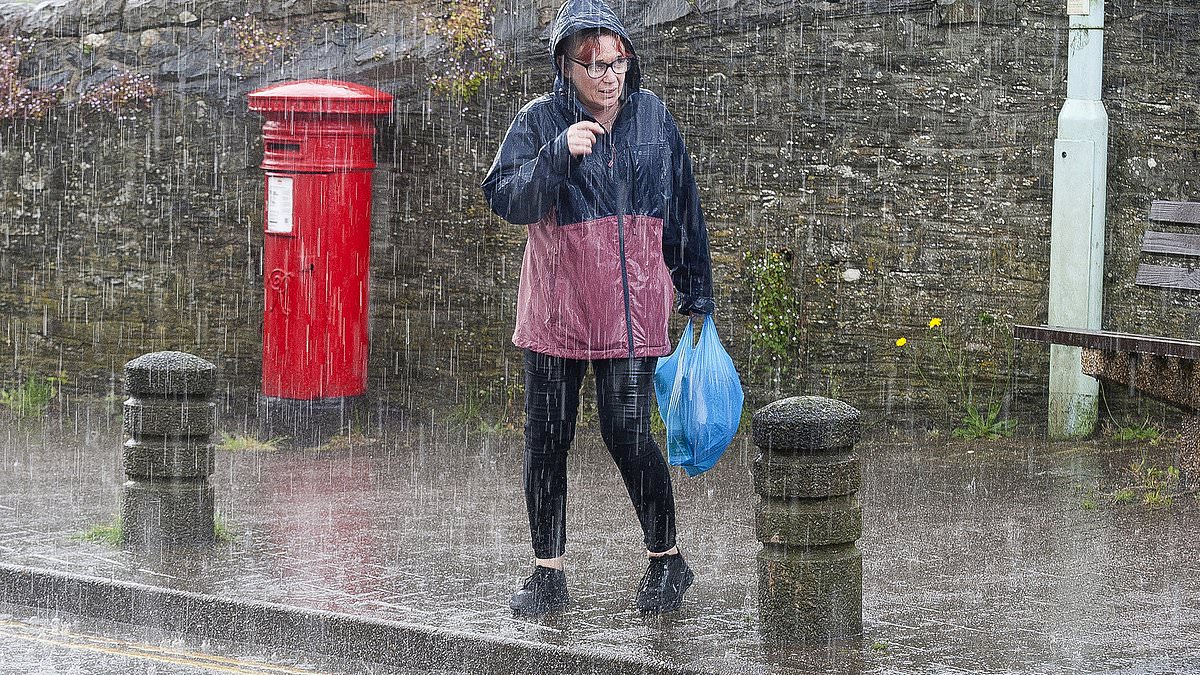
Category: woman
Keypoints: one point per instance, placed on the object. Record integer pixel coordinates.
(600, 174)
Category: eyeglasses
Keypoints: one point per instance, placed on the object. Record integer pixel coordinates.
(596, 69)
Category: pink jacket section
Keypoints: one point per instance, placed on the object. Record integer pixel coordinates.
(570, 302)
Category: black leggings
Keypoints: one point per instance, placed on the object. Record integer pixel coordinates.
(623, 390)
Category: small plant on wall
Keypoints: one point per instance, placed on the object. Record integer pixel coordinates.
(471, 57)
(17, 100)
(774, 309)
(250, 44)
(123, 94)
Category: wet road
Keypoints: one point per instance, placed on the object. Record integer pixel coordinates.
(31, 644)
(32, 648)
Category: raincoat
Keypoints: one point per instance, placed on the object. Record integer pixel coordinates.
(612, 234)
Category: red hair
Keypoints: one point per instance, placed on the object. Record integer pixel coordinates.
(586, 44)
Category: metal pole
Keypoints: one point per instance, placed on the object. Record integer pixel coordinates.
(1077, 220)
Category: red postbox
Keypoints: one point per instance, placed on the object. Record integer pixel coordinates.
(317, 152)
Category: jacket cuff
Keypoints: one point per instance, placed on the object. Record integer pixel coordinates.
(559, 155)
(696, 305)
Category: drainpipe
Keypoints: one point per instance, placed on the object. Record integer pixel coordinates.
(1077, 220)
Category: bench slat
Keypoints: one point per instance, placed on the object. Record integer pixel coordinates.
(1186, 213)
(1171, 243)
(1111, 342)
(1163, 276)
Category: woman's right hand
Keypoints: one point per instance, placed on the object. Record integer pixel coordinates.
(581, 136)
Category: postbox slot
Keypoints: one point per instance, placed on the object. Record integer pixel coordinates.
(283, 147)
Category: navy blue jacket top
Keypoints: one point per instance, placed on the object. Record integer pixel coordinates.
(636, 189)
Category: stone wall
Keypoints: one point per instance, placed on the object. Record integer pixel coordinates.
(899, 151)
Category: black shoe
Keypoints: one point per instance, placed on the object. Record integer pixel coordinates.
(667, 579)
(544, 591)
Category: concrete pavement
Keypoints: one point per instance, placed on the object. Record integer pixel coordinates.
(402, 549)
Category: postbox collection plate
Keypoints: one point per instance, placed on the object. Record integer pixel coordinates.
(279, 205)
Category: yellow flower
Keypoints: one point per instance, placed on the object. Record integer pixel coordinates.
(901, 342)
(935, 322)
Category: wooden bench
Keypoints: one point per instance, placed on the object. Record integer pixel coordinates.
(1162, 368)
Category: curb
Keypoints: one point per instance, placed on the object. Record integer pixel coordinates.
(329, 633)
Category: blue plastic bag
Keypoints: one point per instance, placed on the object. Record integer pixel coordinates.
(699, 399)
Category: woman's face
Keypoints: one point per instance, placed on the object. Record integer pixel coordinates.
(604, 92)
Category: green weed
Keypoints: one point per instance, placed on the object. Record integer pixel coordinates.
(986, 426)
(1143, 431)
(1154, 484)
(1148, 484)
(114, 404)
(1155, 499)
(774, 309)
(472, 56)
(110, 533)
(32, 397)
(657, 426)
(241, 442)
(964, 362)
(104, 533)
(1123, 496)
(832, 383)
(346, 440)
(221, 531)
(471, 414)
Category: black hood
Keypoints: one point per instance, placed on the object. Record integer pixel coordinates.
(576, 15)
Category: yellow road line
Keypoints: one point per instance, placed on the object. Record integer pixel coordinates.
(137, 650)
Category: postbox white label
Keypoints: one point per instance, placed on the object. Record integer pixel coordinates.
(279, 205)
(1079, 7)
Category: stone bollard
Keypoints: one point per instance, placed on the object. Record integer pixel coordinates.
(808, 519)
(169, 419)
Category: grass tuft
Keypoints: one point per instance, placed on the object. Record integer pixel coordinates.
(103, 533)
(241, 442)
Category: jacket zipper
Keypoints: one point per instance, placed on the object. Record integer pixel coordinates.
(612, 156)
(621, 240)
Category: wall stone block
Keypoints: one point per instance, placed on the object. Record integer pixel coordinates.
(283, 9)
(142, 14)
